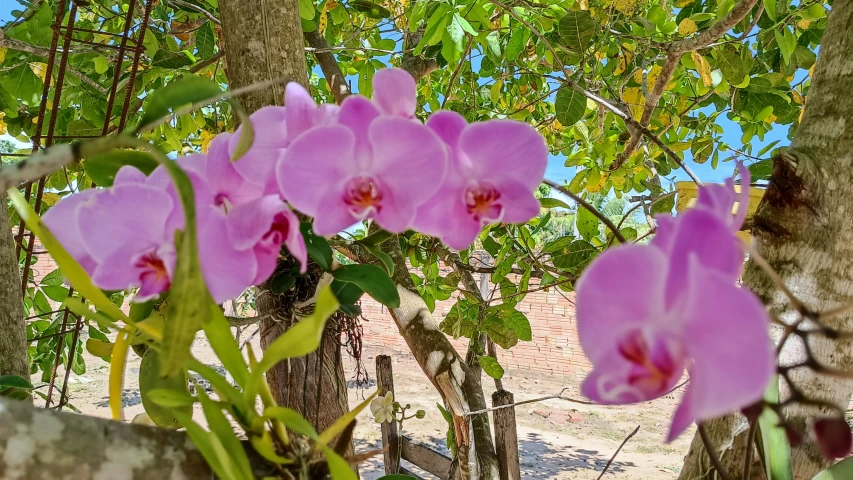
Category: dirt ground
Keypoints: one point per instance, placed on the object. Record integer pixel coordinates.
(561, 440)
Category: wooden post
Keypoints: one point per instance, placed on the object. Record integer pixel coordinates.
(506, 437)
(390, 435)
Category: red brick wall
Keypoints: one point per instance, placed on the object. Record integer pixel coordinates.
(554, 349)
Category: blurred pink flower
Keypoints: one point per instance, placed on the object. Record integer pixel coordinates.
(495, 167)
(647, 313)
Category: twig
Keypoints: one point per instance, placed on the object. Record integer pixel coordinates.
(586, 205)
(535, 400)
(617, 451)
(197, 8)
(712, 454)
(750, 440)
(456, 71)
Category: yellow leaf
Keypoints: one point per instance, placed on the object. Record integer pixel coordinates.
(206, 138)
(798, 99)
(3, 54)
(40, 69)
(3, 126)
(330, 4)
(624, 60)
(633, 96)
(770, 118)
(117, 362)
(50, 198)
(811, 71)
(703, 68)
(687, 27)
(324, 19)
(804, 24)
(665, 118)
(683, 3)
(625, 6)
(595, 187)
(583, 4)
(651, 77)
(600, 56)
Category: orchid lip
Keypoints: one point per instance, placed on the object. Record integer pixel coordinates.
(482, 200)
(363, 195)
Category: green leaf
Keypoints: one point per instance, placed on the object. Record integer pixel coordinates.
(318, 248)
(102, 168)
(587, 223)
(546, 202)
(14, 381)
(787, 43)
(777, 451)
(453, 41)
(76, 275)
(770, 9)
(366, 7)
(219, 426)
(302, 338)
(169, 60)
(516, 43)
(664, 205)
(346, 293)
(171, 392)
(341, 423)
(435, 27)
(210, 448)
(247, 130)
(570, 106)
(491, 366)
(205, 41)
(55, 293)
(292, 420)
(377, 238)
(338, 467)
(306, 9)
(383, 257)
(371, 279)
(101, 64)
(577, 29)
(573, 255)
(183, 91)
(842, 470)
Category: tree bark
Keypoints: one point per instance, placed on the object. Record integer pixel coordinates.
(43, 444)
(263, 41)
(13, 332)
(803, 229)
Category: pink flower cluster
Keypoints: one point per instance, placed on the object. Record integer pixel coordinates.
(647, 313)
(339, 165)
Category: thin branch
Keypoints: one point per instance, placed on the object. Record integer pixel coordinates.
(243, 321)
(617, 451)
(750, 446)
(586, 205)
(534, 400)
(44, 53)
(777, 280)
(197, 8)
(716, 31)
(456, 71)
(329, 65)
(712, 454)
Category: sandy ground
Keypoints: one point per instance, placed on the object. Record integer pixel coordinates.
(576, 449)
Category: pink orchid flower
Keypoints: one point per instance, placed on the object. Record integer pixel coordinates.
(707, 230)
(130, 250)
(275, 129)
(647, 313)
(495, 167)
(61, 220)
(367, 166)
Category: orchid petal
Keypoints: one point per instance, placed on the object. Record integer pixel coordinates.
(61, 220)
(320, 157)
(505, 149)
(448, 125)
(300, 112)
(226, 270)
(129, 174)
(258, 163)
(395, 92)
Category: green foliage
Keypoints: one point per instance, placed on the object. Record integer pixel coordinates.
(373, 280)
(102, 169)
(839, 471)
(150, 380)
(774, 441)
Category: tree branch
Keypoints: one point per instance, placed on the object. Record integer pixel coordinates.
(329, 65)
(674, 52)
(197, 8)
(586, 205)
(13, 44)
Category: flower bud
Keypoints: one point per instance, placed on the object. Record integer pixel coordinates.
(751, 412)
(420, 414)
(833, 436)
(795, 438)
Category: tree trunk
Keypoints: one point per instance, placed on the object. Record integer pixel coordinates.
(803, 229)
(263, 41)
(13, 332)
